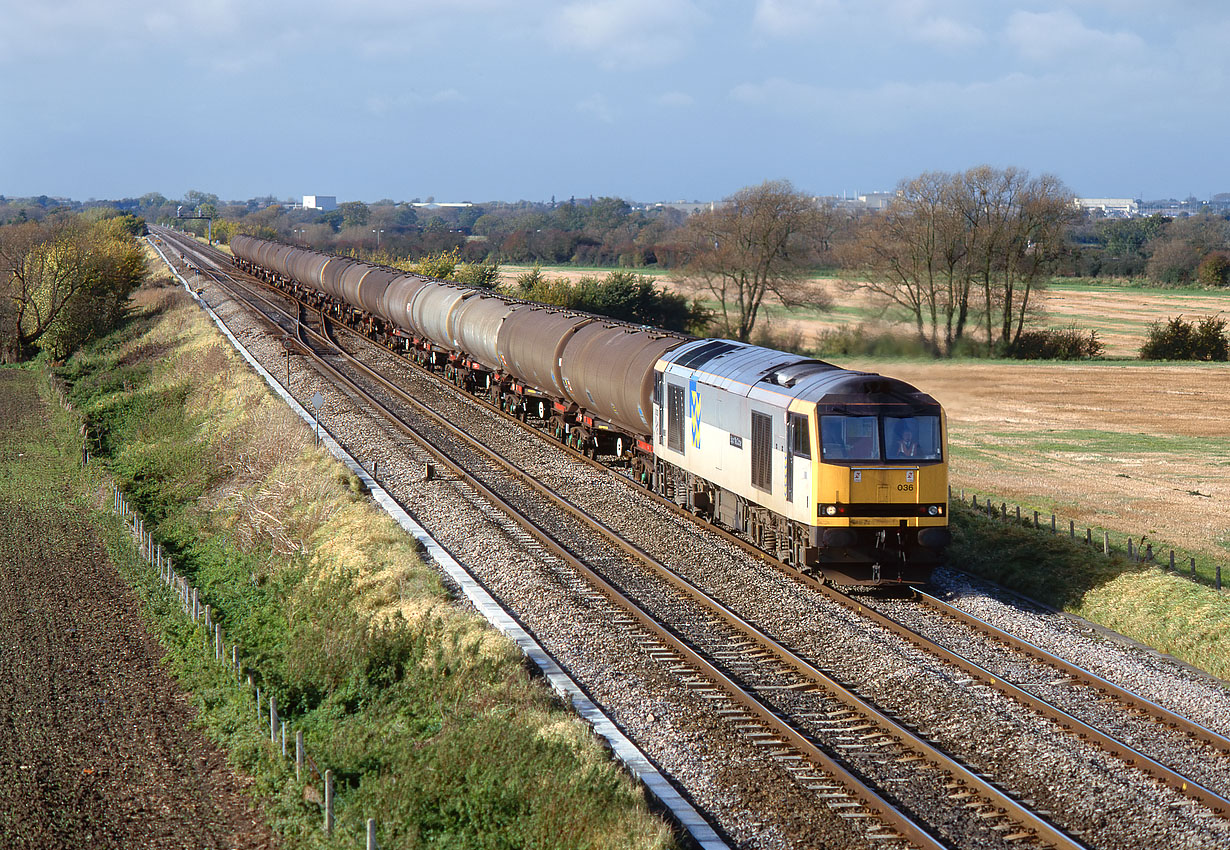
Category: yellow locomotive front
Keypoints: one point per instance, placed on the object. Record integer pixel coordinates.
(880, 486)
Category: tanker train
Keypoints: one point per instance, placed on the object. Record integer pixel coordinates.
(841, 474)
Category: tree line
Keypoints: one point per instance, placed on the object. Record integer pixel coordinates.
(65, 279)
(962, 255)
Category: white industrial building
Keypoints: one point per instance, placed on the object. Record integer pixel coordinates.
(1110, 206)
(320, 202)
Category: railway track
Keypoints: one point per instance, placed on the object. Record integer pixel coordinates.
(819, 710)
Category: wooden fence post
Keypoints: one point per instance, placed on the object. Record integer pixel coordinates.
(329, 802)
(371, 834)
(1172, 560)
(1106, 543)
(1193, 567)
(298, 755)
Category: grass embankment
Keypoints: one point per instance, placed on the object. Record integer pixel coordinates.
(1163, 610)
(428, 719)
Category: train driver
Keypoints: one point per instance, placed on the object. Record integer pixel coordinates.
(907, 445)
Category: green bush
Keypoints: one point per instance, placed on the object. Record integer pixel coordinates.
(621, 295)
(1070, 343)
(861, 340)
(1178, 339)
(1214, 270)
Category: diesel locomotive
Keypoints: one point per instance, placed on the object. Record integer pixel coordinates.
(841, 474)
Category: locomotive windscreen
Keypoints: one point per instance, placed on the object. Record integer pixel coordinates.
(880, 438)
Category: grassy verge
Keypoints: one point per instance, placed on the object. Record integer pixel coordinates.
(1143, 602)
(428, 719)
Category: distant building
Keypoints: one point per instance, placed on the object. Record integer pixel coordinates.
(320, 202)
(876, 200)
(1109, 206)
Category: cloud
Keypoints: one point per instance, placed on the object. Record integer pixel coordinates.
(1047, 36)
(947, 33)
(940, 23)
(384, 105)
(792, 18)
(596, 106)
(627, 33)
(894, 105)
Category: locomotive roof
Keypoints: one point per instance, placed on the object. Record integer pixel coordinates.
(755, 371)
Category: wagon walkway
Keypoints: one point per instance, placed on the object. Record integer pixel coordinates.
(97, 747)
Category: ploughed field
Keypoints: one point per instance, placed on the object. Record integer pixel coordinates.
(97, 746)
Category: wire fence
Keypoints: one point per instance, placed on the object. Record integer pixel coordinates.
(215, 640)
(229, 653)
(1128, 546)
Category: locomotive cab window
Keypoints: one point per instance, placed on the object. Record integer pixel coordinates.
(912, 438)
(850, 438)
(800, 436)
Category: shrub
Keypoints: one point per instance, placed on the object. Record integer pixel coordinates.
(1214, 270)
(1070, 343)
(620, 295)
(1178, 339)
(861, 340)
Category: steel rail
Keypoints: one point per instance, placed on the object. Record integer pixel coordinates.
(884, 810)
(1194, 790)
(1009, 808)
(868, 797)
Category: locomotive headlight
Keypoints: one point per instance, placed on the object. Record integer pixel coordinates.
(830, 510)
(935, 510)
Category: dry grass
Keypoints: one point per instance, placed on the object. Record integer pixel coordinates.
(1167, 612)
(303, 521)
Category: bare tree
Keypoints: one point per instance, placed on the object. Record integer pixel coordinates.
(957, 247)
(914, 255)
(761, 241)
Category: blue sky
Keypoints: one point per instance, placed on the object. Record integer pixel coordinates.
(644, 99)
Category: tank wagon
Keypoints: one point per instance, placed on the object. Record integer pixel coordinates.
(842, 474)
